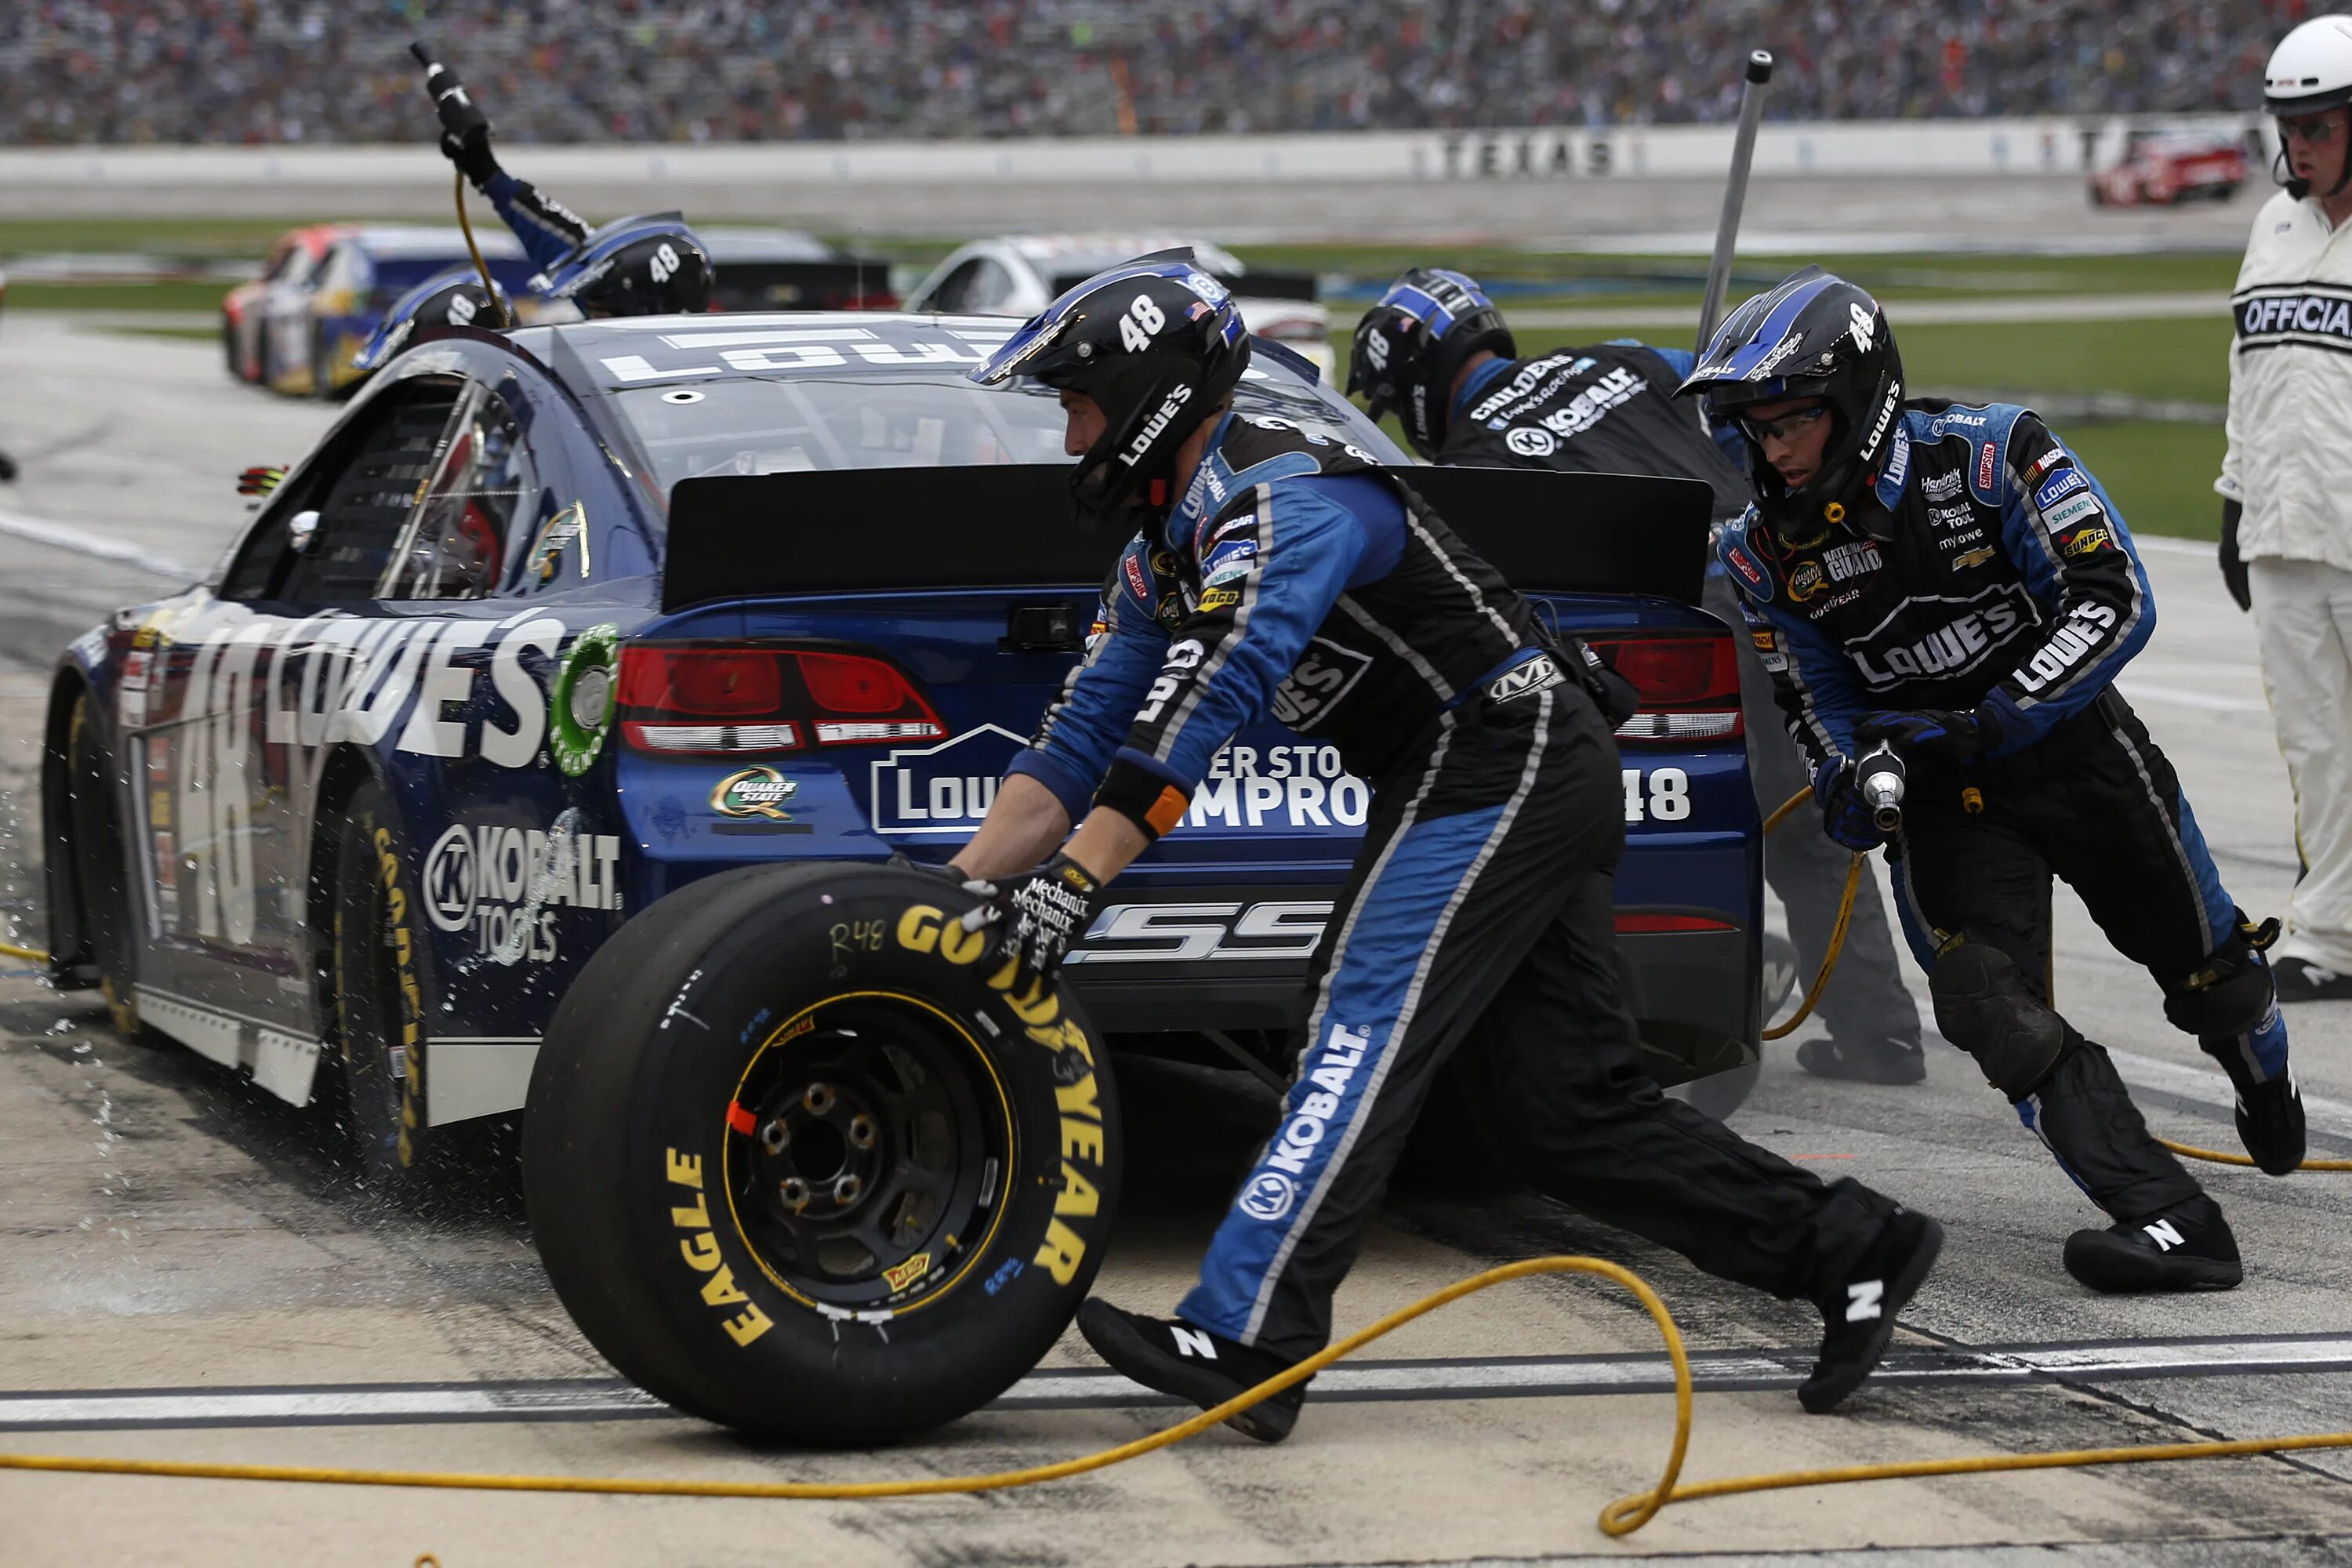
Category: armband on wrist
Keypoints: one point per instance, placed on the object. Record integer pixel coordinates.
(1143, 797)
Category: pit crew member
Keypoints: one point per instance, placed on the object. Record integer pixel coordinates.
(1953, 581)
(649, 265)
(1269, 560)
(1436, 351)
(454, 297)
(2286, 485)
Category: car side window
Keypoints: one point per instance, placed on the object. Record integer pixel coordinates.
(953, 296)
(482, 486)
(358, 501)
(992, 291)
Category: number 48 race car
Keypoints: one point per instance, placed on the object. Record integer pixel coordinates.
(568, 728)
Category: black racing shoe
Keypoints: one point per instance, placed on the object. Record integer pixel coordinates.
(1881, 1061)
(2270, 1124)
(2185, 1248)
(2300, 980)
(1174, 1357)
(1861, 1313)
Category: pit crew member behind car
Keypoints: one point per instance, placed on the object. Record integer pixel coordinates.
(2286, 484)
(1282, 571)
(650, 265)
(1952, 580)
(453, 297)
(1436, 350)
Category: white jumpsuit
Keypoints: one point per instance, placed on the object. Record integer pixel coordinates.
(2290, 466)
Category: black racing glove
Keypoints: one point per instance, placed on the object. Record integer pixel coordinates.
(1961, 735)
(1040, 915)
(2234, 565)
(473, 157)
(1838, 786)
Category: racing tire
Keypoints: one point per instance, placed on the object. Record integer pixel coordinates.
(228, 347)
(101, 864)
(380, 962)
(1720, 1094)
(798, 1163)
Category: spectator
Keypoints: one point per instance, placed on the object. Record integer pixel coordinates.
(694, 70)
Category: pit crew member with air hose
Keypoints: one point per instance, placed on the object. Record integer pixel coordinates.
(1952, 580)
(2286, 484)
(1478, 912)
(1436, 351)
(649, 265)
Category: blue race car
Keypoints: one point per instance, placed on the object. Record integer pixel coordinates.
(553, 623)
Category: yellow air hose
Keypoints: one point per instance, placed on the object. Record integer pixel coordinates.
(1620, 1518)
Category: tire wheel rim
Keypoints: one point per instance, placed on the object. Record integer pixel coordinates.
(866, 1151)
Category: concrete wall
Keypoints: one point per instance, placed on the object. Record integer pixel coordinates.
(2053, 145)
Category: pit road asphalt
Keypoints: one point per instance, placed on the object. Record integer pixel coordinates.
(171, 1233)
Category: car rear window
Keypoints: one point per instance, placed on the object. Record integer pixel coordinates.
(785, 424)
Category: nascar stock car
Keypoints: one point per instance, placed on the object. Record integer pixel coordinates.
(1020, 274)
(2166, 168)
(552, 623)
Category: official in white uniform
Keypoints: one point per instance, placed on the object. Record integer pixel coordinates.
(2287, 483)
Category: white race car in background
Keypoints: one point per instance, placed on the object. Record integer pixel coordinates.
(1020, 274)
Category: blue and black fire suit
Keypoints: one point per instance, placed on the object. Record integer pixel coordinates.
(1611, 408)
(549, 231)
(1297, 579)
(1987, 570)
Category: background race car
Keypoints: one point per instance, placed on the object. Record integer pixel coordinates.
(470, 692)
(292, 258)
(313, 316)
(2166, 168)
(785, 269)
(1020, 274)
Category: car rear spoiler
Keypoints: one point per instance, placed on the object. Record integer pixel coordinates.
(886, 530)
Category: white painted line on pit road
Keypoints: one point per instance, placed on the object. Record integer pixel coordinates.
(609, 1399)
(2207, 1085)
(83, 541)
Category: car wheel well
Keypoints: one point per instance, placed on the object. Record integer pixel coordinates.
(345, 770)
(71, 963)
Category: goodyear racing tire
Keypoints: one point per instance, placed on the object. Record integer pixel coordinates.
(101, 863)
(379, 960)
(800, 1164)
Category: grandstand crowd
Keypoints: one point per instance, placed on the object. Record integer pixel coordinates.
(581, 70)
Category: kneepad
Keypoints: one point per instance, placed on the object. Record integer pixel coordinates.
(2230, 993)
(1984, 1006)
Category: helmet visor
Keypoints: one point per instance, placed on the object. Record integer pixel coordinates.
(1034, 337)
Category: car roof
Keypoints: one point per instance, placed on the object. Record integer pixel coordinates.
(1096, 252)
(403, 241)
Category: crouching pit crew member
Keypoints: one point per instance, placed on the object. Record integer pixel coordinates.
(1952, 581)
(1436, 350)
(1478, 913)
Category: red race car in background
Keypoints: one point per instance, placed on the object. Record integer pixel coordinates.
(2166, 168)
(296, 255)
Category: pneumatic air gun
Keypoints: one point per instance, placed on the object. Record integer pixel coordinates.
(1879, 777)
(463, 124)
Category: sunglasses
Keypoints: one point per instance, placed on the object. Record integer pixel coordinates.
(1785, 428)
(2312, 130)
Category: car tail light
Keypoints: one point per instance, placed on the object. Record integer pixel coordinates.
(1636, 923)
(701, 699)
(1688, 682)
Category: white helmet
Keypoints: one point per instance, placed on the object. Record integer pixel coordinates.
(2311, 70)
